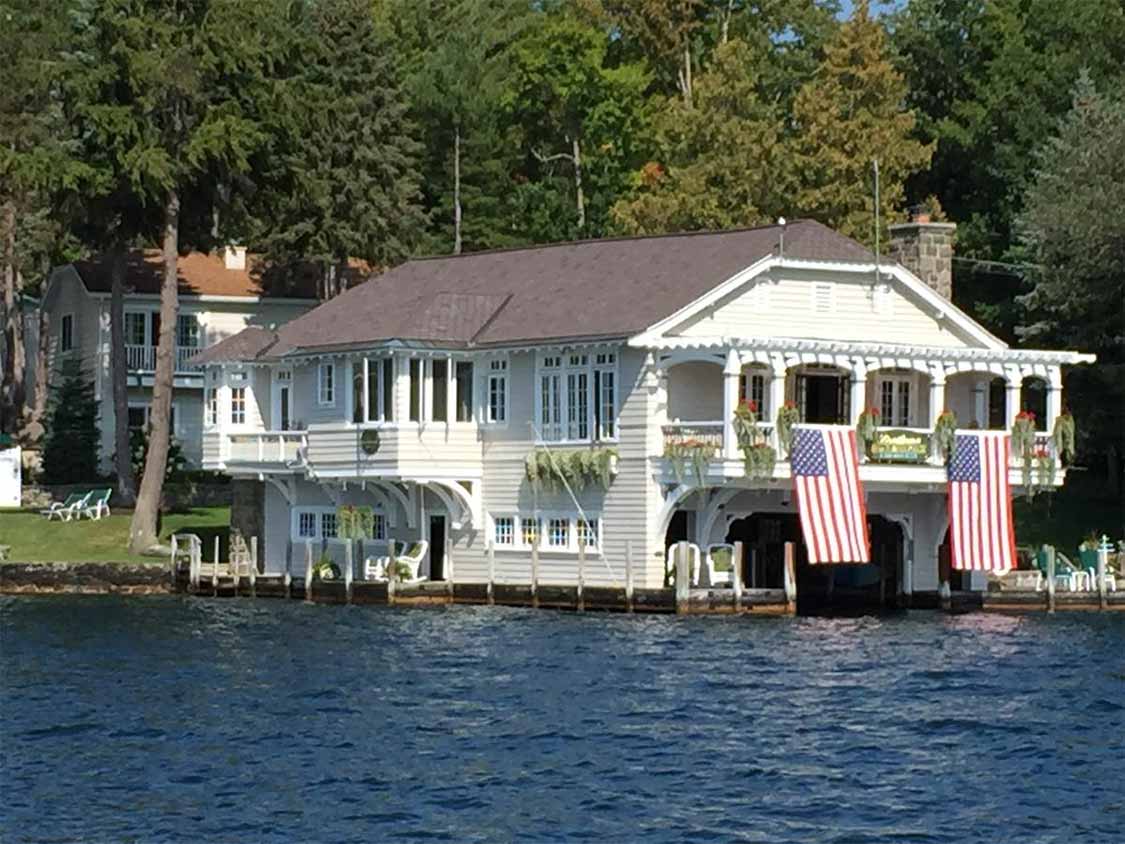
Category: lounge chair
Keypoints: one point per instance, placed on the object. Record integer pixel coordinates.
(411, 556)
(98, 504)
(1088, 559)
(1066, 574)
(720, 565)
(693, 557)
(67, 509)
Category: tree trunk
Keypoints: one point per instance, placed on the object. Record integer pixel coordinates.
(685, 76)
(123, 464)
(142, 532)
(457, 190)
(580, 198)
(724, 28)
(14, 357)
(42, 376)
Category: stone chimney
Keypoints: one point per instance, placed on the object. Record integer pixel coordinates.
(234, 257)
(926, 249)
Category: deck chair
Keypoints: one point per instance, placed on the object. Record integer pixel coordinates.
(1088, 559)
(720, 564)
(1066, 575)
(693, 557)
(65, 510)
(411, 556)
(98, 504)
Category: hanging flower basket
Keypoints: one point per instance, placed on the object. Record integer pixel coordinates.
(1023, 447)
(579, 469)
(866, 428)
(1063, 437)
(945, 434)
(695, 455)
(787, 417)
(758, 456)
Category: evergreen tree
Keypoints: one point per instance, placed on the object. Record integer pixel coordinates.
(720, 164)
(847, 116)
(70, 443)
(343, 179)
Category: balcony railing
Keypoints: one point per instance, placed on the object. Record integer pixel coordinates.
(266, 447)
(143, 358)
(707, 433)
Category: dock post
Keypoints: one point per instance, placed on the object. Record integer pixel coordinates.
(392, 572)
(580, 601)
(449, 568)
(253, 567)
(790, 578)
(308, 570)
(908, 576)
(349, 558)
(535, 571)
(1050, 550)
(214, 569)
(945, 589)
(491, 574)
(1103, 564)
(736, 576)
(628, 575)
(683, 576)
(288, 580)
(172, 562)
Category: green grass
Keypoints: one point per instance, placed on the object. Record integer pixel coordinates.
(1066, 517)
(34, 539)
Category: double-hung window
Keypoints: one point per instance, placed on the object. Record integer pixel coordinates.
(328, 525)
(463, 378)
(577, 397)
(439, 378)
(306, 525)
(504, 531)
(135, 332)
(379, 375)
(496, 408)
(752, 388)
(895, 400)
(187, 331)
(238, 405)
(212, 406)
(558, 532)
(529, 530)
(326, 384)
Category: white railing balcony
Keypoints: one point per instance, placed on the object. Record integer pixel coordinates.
(143, 358)
(277, 447)
(694, 433)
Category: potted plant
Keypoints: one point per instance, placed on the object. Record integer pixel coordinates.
(694, 453)
(325, 569)
(787, 417)
(945, 434)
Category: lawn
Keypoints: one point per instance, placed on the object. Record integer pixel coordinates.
(33, 538)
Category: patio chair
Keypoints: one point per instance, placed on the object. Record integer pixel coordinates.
(65, 510)
(1088, 559)
(410, 556)
(98, 504)
(720, 564)
(693, 557)
(1066, 574)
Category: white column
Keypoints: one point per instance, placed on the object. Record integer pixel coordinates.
(980, 405)
(1054, 397)
(937, 400)
(859, 393)
(731, 372)
(1012, 399)
(450, 393)
(777, 401)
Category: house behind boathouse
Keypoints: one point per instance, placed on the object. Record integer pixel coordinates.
(422, 392)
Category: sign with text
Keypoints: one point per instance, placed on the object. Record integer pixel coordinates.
(898, 446)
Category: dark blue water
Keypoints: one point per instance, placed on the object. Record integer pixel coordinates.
(172, 719)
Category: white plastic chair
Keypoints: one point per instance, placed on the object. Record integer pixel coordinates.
(693, 556)
(411, 557)
(720, 564)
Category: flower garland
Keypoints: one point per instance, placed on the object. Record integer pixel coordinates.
(787, 417)
(945, 434)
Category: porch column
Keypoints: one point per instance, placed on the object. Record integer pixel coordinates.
(859, 393)
(937, 399)
(1012, 399)
(731, 372)
(980, 403)
(777, 401)
(450, 392)
(1054, 397)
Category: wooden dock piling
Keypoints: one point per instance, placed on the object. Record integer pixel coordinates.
(683, 577)
(790, 579)
(736, 576)
(1050, 552)
(491, 574)
(253, 567)
(308, 570)
(628, 575)
(535, 571)
(1103, 564)
(580, 603)
(349, 560)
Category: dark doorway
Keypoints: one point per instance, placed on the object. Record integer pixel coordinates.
(677, 530)
(437, 547)
(822, 398)
(763, 537)
(284, 408)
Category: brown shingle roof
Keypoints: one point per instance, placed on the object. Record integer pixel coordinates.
(204, 274)
(587, 289)
(248, 344)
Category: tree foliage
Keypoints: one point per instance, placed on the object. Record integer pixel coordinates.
(70, 443)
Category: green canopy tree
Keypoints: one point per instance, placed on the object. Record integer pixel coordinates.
(1072, 233)
(721, 164)
(848, 115)
(163, 113)
(340, 179)
(70, 442)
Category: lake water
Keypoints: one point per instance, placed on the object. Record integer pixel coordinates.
(176, 719)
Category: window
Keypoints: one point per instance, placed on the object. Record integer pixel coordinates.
(187, 331)
(439, 375)
(134, 328)
(463, 375)
(497, 409)
(306, 525)
(357, 391)
(823, 298)
(529, 530)
(388, 404)
(894, 400)
(378, 526)
(328, 525)
(212, 406)
(238, 406)
(558, 533)
(587, 533)
(504, 530)
(326, 384)
(581, 392)
(66, 333)
(415, 390)
(138, 418)
(752, 387)
(378, 376)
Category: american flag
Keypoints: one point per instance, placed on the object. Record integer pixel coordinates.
(980, 504)
(830, 495)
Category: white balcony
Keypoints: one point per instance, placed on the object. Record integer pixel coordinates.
(278, 448)
(143, 358)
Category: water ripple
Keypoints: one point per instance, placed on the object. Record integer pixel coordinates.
(179, 720)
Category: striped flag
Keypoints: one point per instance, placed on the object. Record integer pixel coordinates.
(830, 495)
(982, 536)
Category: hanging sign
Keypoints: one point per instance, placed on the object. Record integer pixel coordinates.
(899, 446)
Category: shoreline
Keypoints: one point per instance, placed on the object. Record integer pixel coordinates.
(85, 578)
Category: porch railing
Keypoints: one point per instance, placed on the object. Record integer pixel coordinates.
(266, 447)
(709, 433)
(143, 358)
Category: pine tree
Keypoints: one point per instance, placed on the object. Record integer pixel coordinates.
(70, 443)
(720, 164)
(343, 178)
(848, 115)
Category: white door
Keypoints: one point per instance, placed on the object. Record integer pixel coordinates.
(11, 479)
(282, 400)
